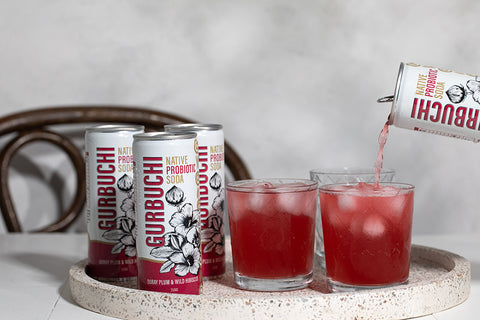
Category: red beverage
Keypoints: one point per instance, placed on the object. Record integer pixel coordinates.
(367, 233)
(272, 228)
(382, 140)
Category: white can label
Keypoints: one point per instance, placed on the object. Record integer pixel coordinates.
(211, 201)
(438, 101)
(168, 238)
(110, 204)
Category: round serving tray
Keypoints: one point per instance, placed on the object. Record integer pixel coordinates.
(438, 280)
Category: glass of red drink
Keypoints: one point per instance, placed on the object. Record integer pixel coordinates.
(343, 175)
(367, 234)
(272, 226)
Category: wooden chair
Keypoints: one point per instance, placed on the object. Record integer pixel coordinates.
(39, 125)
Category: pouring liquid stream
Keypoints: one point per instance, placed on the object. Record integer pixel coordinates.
(382, 140)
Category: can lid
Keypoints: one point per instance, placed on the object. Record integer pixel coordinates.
(393, 98)
(193, 127)
(115, 128)
(163, 135)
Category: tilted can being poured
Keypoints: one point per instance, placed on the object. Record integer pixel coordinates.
(437, 101)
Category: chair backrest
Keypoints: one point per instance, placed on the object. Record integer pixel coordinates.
(38, 124)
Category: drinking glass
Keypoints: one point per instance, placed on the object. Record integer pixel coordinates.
(342, 175)
(272, 226)
(367, 233)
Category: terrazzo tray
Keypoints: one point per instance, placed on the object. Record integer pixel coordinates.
(438, 280)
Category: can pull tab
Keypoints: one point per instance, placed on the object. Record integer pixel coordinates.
(385, 99)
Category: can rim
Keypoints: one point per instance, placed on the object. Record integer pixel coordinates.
(193, 127)
(115, 128)
(394, 98)
(391, 117)
(164, 135)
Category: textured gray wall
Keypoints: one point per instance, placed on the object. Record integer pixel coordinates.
(294, 83)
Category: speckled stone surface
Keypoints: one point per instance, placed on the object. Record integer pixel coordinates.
(438, 280)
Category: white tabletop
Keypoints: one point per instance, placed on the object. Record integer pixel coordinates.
(34, 275)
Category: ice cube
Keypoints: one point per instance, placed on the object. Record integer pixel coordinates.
(297, 203)
(288, 202)
(365, 188)
(397, 206)
(370, 189)
(257, 201)
(258, 186)
(374, 226)
(346, 202)
(388, 191)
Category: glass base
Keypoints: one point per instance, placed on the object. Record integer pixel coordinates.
(335, 286)
(256, 284)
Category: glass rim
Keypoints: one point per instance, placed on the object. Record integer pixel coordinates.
(330, 188)
(351, 171)
(280, 185)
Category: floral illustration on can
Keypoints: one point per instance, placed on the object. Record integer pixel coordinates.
(213, 233)
(457, 93)
(181, 250)
(125, 233)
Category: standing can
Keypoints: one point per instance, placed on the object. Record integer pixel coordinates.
(168, 224)
(110, 202)
(437, 101)
(211, 195)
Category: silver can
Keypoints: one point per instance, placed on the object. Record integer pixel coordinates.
(437, 101)
(211, 195)
(110, 201)
(168, 220)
